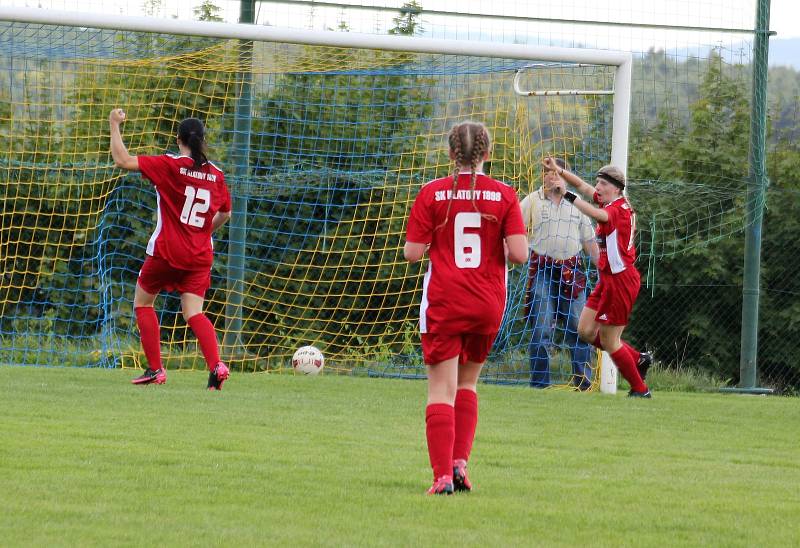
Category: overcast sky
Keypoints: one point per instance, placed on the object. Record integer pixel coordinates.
(784, 18)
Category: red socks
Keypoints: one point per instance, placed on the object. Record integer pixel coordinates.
(150, 334)
(466, 419)
(450, 431)
(631, 350)
(207, 338)
(440, 431)
(635, 354)
(627, 367)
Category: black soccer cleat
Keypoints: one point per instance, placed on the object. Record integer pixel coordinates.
(644, 363)
(213, 383)
(645, 394)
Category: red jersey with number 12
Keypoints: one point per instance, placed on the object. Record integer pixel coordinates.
(187, 200)
(615, 237)
(464, 290)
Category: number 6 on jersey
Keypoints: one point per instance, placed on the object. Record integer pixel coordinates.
(464, 241)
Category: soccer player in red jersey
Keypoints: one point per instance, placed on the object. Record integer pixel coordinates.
(192, 202)
(608, 308)
(468, 223)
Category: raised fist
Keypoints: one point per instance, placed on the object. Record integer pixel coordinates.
(117, 116)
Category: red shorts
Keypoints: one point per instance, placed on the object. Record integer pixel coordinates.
(614, 295)
(438, 347)
(157, 275)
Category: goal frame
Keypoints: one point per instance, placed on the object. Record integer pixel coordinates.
(622, 62)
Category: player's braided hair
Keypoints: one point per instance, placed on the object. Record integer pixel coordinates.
(469, 142)
(480, 146)
(192, 134)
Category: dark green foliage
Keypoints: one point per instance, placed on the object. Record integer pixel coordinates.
(707, 152)
(779, 332)
(690, 310)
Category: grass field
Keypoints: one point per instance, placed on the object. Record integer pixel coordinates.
(89, 459)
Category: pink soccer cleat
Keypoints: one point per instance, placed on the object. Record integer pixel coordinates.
(442, 486)
(217, 376)
(460, 479)
(151, 376)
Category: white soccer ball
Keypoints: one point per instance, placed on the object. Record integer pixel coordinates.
(308, 360)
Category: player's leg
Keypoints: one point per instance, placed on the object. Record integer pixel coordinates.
(441, 354)
(588, 324)
(615, 310)
(611, 338)
(589, 327)
(147, 322)
(643, 360)
(476, 349)
(193, 287)
(466, 421)
(203, 329)
(626, 289)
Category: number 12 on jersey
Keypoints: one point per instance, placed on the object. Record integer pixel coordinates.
(198, 200)
(467, 244)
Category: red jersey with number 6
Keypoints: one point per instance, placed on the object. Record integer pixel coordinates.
(464, 290)
(187, 200)
(615, 237)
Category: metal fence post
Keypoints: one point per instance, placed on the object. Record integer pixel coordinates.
(240, 157)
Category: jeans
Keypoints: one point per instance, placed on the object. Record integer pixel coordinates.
(548, 306)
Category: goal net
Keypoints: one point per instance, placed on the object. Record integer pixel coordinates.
(324, 149)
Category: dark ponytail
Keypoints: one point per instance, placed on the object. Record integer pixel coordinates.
(192, 134)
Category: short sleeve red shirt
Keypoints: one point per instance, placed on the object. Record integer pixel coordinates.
(615, 237)
(187, 200)
(464, 289)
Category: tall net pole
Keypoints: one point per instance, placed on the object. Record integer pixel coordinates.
(240, 157)
(755, 204)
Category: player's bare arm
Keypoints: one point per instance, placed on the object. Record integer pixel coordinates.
(587, 209)
(517, 246)
(119, 152)
(220, 218)
(414, 251)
